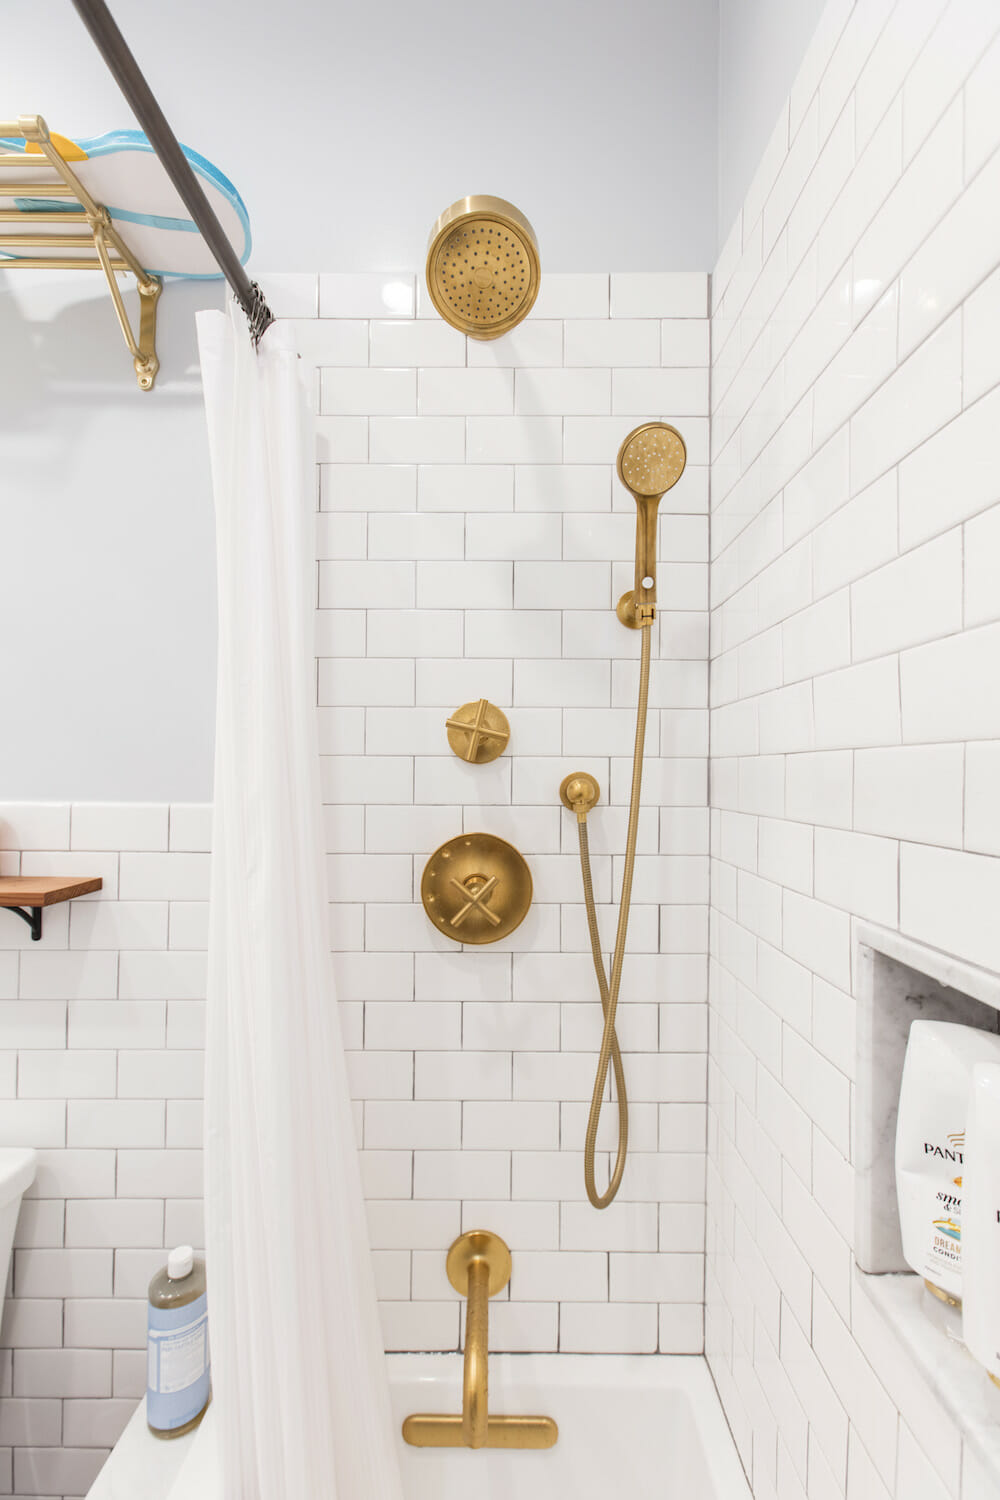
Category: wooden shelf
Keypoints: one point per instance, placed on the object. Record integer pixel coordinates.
(44, 890)
(28, 894)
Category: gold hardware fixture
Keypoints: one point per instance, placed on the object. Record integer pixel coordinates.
(650, 462)
(943, 1296)
(579, 792)
(478, 732)
(482, 266)
(476, 888)
(478, 1267)
(103, 237)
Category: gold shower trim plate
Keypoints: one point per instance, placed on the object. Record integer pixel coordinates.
(483, 270)
(476, 888)
(478, 732)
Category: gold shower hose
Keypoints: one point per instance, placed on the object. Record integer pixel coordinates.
(610, 1050)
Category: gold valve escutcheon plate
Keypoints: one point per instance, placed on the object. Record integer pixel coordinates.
(476, 888)
(478, 732)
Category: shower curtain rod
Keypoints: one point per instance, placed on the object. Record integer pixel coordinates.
(128, 75)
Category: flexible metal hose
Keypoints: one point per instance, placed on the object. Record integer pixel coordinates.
(610, 1051)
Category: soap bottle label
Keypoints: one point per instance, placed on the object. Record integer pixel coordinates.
(178, 1375)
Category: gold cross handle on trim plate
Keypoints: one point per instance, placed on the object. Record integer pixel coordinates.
(475, 889)
(478, 732)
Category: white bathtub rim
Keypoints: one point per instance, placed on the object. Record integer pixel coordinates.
(193, 1473)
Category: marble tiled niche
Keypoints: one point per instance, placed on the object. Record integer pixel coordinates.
(899, 982)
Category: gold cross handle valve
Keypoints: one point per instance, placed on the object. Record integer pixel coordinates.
(478, 732)
(476, 888)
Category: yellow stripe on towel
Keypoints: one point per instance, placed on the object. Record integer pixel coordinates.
(68, 150)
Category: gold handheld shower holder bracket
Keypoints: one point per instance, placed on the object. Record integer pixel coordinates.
(633, 612)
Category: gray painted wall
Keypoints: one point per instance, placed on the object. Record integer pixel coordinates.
(348, 127)
(577, 110)
(761, 44)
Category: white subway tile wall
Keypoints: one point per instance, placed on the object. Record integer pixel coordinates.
(470, 543)
(855, 730)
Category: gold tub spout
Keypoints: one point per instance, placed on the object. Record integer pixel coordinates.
(478, 1266)
(475, 1380)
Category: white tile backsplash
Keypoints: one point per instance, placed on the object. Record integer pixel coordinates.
(458, 556)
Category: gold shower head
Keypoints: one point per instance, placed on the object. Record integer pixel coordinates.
(482, 266)
(650, 462)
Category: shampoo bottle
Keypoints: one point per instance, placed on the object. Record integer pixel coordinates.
(178, 1382)
(981, 1221)
(930, 1147)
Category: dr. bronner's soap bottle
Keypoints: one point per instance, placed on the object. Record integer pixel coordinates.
(981, 1221)
(178, 1382)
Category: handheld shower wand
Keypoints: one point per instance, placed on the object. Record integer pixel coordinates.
(650, 462)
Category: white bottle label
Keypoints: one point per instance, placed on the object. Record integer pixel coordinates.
(182, 1356)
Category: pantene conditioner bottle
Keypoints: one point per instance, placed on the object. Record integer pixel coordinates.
(930, 1147)
(178, 1382)
(981, 1221)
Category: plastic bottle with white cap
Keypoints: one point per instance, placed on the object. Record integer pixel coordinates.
(178, 1381)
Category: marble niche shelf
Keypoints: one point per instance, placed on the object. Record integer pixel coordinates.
(897, 982)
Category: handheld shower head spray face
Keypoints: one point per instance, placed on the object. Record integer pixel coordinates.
(650, 462)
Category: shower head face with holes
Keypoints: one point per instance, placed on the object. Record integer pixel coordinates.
(482, 266)
(650, 462)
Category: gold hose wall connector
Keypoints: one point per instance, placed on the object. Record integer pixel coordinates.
(478, 1267)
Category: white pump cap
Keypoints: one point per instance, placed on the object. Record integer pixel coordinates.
(180, 1262)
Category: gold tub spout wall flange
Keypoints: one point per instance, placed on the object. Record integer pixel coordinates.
(476, 888)
(478, 1267)
(482, 269)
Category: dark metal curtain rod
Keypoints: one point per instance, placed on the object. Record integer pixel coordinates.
(114, 49)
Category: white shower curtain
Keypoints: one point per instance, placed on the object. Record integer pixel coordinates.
(300, 1391)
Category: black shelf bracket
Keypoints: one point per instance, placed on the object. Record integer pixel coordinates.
(30, 914)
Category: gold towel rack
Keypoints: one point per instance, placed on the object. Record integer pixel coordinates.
(99, 248)
(478, 1266)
